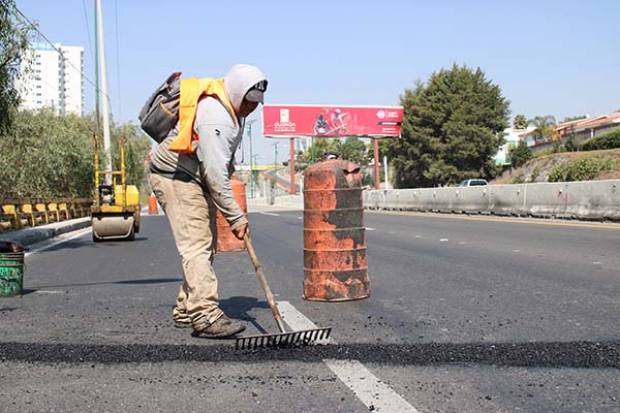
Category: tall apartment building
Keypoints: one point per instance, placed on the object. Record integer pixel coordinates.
(50, 80)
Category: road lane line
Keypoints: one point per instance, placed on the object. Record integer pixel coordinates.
(375, 394)
(42, 246)
(370, 229)
(269, 213)
(504, 220)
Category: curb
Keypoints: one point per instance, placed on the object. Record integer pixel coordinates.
(28, 236)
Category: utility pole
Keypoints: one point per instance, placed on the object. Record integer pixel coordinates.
(292, 189)
(275, 170)
(102, 92)
(249, 126)
(385, 172)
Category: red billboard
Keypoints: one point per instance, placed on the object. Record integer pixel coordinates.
(331, 121)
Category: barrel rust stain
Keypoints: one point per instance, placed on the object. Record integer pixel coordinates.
(334, 233)
(226, 240)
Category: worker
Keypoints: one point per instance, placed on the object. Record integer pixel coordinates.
(190, 176)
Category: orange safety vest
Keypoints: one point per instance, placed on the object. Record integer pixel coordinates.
(192, 89)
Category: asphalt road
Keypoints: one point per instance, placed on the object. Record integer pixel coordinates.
(466, 315)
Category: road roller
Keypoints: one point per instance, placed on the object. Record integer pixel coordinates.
(115, 212)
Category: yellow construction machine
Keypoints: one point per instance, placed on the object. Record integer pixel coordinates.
(116, 205)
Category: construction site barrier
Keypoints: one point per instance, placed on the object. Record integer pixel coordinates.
(19, 213)
(590, 200)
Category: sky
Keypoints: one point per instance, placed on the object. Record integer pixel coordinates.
(559, 58)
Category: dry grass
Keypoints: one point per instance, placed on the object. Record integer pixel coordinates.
(538, 169)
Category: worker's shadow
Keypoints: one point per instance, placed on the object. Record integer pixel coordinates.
(241, 307)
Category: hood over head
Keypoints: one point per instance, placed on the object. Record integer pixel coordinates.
(239, 80)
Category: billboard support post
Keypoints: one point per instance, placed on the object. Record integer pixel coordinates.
(292, 189)
(375, 143)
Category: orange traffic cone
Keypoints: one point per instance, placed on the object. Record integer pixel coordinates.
(153, 207)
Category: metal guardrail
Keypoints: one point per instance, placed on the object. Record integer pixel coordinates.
(20, 213)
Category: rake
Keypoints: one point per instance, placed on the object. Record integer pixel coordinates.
(284, 338)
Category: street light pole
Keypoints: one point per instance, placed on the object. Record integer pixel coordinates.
(292, 190)
(249, 129)
(275, 169)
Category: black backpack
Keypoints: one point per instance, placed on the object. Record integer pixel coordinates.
(160, 113)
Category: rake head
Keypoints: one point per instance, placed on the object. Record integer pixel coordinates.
(283, 340)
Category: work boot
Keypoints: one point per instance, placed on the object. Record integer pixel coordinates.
(220, 328)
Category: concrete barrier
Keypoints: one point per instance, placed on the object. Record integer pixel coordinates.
(573, 200)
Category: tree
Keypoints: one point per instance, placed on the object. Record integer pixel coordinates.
(46, 155)
(352, 149)
(520, 154)
(317, 150)
(14, 42)
(519, 122)
(573, 118)
(545, 128)
(451, 129)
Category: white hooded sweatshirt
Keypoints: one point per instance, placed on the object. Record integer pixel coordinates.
(219, 137)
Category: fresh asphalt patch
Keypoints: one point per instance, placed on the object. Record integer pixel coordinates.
(582, 355)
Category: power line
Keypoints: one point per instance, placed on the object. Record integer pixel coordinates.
(118, 65)
(90, 46)
(23, 16)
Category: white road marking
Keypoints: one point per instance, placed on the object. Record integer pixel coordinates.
(42, 246)
(444, 240)
(50, 291)
(596, 262)
(269, 213)
(300, 217)
(371, 391)
(369, 229)
(517, 251)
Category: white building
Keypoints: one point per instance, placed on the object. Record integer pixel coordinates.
(512, 136)
(49, 80)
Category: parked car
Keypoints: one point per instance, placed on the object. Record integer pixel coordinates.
(473, 182)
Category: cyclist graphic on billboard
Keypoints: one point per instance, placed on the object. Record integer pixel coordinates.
(321, 127)
(336, 126)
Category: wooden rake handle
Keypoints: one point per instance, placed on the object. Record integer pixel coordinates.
(262, 279)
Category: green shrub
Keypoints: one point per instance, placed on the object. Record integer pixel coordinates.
(535, 174)
(544, 152)
(519, 154)
(570, 145)
(609, 140)
(519, 179)
(558, 147)
(580, 170)
(44, 155)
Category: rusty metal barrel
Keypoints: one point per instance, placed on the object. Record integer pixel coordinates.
(335, 267)
(226, 240)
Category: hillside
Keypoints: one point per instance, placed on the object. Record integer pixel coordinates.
(539, 169)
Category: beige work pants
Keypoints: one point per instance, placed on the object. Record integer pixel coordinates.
(192, 218)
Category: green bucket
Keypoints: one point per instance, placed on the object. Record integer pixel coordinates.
(11, 270)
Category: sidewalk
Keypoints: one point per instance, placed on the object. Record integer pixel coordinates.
(281, 203)
(32, 235)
